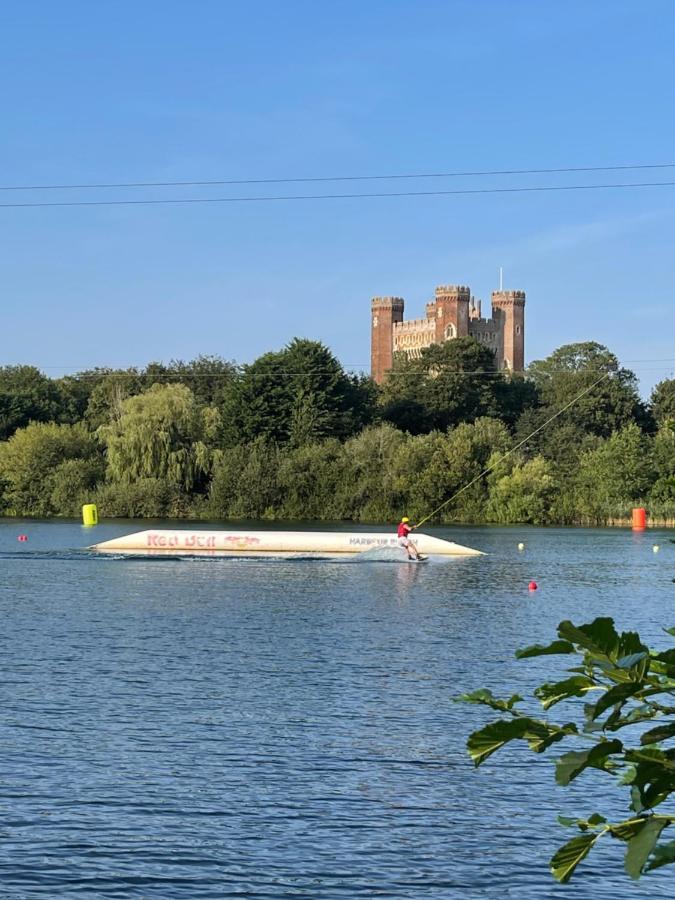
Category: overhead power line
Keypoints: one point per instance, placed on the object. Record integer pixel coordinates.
(306, 180)
(240, 371)
(297, 197)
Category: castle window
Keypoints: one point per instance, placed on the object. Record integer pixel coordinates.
(517, 329)
(374, 321)
(450, 332)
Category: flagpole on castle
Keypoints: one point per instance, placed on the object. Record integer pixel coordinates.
(500, 278)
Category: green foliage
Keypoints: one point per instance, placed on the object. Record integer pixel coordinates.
(522, 495)
(612, 400)
(618, 471)
(663, 401)
(634, 684)
(26, 395)
(158, 435)
(298, 395)
(244, 484)
(292, 435)
(47, 469)
(438, 389)
(144, 498)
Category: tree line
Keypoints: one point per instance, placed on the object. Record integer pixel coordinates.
(292, 435)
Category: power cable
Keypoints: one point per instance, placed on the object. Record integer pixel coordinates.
(306, 180)
(299, 197)
(83, 374)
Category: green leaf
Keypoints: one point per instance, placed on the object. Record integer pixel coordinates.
(626, 831)
(577, 686)
(654, 774)
(596, 819)
(493, 737)
(598, 636)
(630, 645)
(642, 845)
(573, 763)
(617, 695)
(567, 821)
(660, 733)
(541, 650)
(670, 631)
(637, 714)
(628, 662)
(541, 738)
(663, 855)
(568, 857)
(486, 698)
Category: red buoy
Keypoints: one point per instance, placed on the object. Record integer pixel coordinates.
(23, 537)
(533, 586)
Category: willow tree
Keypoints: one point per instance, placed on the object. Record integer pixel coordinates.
(158, 434)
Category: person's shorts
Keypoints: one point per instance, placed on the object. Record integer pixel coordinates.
(404, 542)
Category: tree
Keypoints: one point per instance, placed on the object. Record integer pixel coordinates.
(663, 401)
(523, 495)
(616, 474)
(49, 469)
(629, 685)
(309, 479)
(296, 395)
(611, 401)
(104, 405)
(371, 489)
(206, 376)
(663, 489)
(245, 482)
(466, 451)
(447, 384)
(158, 435)
(26, 395)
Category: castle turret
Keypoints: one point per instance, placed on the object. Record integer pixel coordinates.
(384, 311)
(452, 311)
(508, 307)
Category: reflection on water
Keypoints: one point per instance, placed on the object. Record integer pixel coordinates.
(283, 728)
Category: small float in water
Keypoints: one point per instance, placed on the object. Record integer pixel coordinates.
(163, 542)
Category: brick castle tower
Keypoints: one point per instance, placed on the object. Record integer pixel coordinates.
(451, 314)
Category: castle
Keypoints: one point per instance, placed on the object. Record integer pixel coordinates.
(451, 314)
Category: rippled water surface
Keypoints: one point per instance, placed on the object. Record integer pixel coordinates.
(280, 729)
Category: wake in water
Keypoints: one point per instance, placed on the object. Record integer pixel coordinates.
(375, 554)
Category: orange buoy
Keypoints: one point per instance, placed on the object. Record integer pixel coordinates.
(639, 518)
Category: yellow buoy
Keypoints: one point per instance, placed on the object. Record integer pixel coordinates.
(89, 514)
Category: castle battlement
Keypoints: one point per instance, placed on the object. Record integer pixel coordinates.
(508, 297)
(453, 313)
(460, 290)
(387, 302)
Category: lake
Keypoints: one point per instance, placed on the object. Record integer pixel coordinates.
(285, 728)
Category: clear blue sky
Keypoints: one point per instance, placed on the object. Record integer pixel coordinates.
(151, 91)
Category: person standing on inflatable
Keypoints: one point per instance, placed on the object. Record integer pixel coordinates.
(404, 541)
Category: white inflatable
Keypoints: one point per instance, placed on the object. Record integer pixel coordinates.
(271, 543)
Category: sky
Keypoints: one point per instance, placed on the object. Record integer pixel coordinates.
(151, 91)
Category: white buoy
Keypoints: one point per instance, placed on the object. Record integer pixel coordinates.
(655, 548)
(521, 546)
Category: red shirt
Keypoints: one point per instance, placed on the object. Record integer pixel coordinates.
(404, 529)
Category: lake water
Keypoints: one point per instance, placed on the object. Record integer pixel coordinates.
(282, 729)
